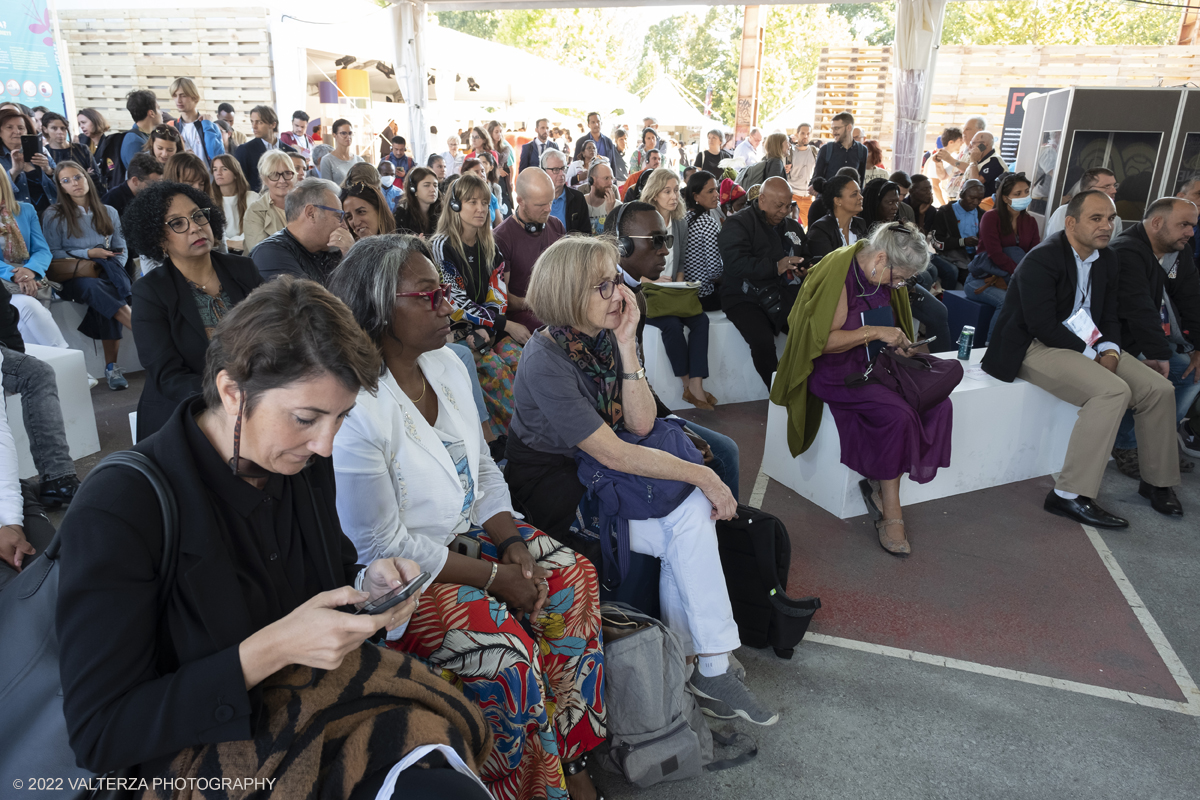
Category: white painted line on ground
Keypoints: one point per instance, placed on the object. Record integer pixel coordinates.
(1192, 709)
(1165, 651)
(760, 489)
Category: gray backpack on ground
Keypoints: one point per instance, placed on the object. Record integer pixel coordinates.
(657, 730)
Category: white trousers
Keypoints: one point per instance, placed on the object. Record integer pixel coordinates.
(691, 588)
(36, 324)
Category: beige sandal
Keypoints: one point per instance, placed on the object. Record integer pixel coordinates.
(900, 548)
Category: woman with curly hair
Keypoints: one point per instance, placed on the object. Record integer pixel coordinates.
(365, 210)
(177, 307)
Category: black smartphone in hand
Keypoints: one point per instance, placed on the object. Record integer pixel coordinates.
(30, 146)
(395, 597)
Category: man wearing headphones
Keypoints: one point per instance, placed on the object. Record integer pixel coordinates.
(524, 236)
(643, 243)
(602, 196)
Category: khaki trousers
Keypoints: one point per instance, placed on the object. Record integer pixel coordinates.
(1102, 398)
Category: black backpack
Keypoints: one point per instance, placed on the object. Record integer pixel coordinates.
(108, 161)
(755, 556)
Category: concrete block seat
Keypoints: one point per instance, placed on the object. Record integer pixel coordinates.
(75, 398)
(67, 315)
(731, 375)
(1003, 432)
(962, 309)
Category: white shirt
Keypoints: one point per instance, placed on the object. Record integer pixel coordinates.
(191, 138)
(233, 221)
(803, 162)
(747, 152)
(1058, 222)
(1083, 293)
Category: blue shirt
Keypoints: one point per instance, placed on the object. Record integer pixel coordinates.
(968, 224)
(132, 144)
(558, 208)
(392, 195)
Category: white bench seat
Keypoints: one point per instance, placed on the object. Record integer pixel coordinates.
(731, 374)
(67, 315)
(75, 399)
(1003, 432)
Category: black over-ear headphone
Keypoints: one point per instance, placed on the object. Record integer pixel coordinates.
(532, 228)
(455, 203)
(625, 245)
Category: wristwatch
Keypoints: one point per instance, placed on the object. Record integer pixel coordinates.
(634, 376)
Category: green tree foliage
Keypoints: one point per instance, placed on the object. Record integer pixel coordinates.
(698, 52)
(873, 23)
(1080, 22)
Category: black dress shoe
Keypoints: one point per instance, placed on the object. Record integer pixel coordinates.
(58, 492)
(1083, 510)
(1162, 499)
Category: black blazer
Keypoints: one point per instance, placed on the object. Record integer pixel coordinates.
(750, 249)
(139, 686)
(945, 227)
(824, 236)
(170, 337)
(1041, 295)
(529, 154)
(578, 219)
(248, 155)
(1143, 281)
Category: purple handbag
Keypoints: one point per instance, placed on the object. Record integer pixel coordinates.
(921, 379)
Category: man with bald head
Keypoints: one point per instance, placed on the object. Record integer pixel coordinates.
(1059, 329)
(986, 165)
(524, 236)
(1159, 308)
(765, 253)
(602, 196)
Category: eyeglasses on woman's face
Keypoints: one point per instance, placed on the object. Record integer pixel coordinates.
(181, 224)
(286, 175)
(435, 295)
(606, 288)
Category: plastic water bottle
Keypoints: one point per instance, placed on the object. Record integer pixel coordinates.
(964, 342)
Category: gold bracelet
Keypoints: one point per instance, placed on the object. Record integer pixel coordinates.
(1112, 353)
(866, 338)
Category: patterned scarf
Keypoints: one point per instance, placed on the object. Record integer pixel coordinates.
(598, 360)
(12, 243)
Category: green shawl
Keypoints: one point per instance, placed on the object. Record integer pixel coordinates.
(808, 331)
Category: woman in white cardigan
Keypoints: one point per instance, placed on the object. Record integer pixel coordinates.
(414, 475)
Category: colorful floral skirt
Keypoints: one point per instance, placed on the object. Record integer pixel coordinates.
(497, 368)
(543, 695)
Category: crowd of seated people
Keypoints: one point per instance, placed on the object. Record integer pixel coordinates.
(357, 373)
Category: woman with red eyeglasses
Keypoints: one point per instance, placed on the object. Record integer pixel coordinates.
(415, 479)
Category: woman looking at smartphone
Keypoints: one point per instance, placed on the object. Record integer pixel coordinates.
(89, 250)
(32, 178)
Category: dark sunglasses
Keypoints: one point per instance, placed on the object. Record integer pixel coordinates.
(435, 295)
(659, 240)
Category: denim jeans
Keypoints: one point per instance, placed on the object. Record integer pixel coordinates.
(464, 354)
(34, 380)
(991, 296)
(1185, 394)
(947, 272)
(725, 456)
(930, 311)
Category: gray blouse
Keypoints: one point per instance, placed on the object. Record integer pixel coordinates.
(63, 245)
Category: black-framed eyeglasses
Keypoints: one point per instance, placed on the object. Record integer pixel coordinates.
(606, 288)
(287, 175)
(435, 295)
(658, 240)
(181, 224)
(556, 169)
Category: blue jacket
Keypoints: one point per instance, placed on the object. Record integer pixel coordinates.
(35, 242)
(40, 193)
(604, 147)
(210, 136)
(132, 144)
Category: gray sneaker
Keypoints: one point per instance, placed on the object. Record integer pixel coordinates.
(116, 379)
(731, 693)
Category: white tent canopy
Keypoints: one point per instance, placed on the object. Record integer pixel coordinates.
(802, 109)
(665, 102)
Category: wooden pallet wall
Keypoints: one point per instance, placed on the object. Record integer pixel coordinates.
(974, 80)
(226, 51)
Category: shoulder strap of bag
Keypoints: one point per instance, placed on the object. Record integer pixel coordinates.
(167, 504)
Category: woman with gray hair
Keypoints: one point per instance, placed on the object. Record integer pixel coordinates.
(415, 479)
(882, 436)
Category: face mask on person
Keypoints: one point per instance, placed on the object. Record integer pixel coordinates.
(387, 180)
(1020, 203)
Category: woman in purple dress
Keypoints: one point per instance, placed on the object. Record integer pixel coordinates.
(882, 436)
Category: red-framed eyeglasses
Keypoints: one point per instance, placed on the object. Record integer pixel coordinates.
(435, 295)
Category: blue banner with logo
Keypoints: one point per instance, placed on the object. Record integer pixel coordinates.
(29, 72)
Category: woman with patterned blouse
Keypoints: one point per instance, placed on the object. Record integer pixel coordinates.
(176, 307)
(701, 259)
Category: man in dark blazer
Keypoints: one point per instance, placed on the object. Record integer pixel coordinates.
(171, 338)
(531, 152)
(569, 205)
(1073, 275)
(1159, 308)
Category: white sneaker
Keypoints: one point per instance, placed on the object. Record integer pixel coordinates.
(92, 382)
